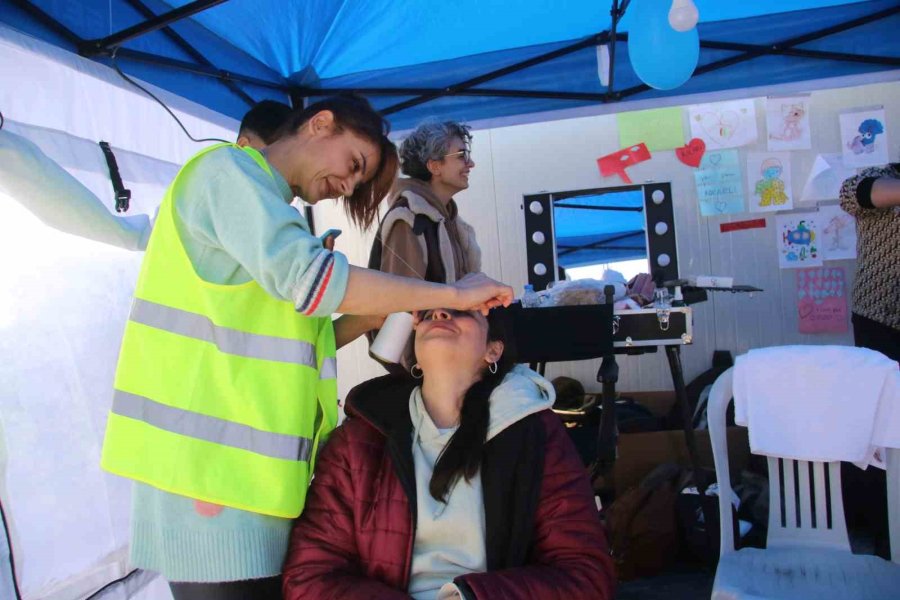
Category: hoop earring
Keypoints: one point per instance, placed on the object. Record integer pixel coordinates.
(412, 371)
(493, 367)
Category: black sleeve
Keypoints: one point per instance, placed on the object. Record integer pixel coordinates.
(864, 192)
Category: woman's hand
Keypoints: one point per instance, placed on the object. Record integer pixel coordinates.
(477, 291)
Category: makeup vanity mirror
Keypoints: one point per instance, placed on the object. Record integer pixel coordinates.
(579, 234)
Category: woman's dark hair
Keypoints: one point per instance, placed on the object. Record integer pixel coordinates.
(356, 114)
(265, 119)
(462, 455)
(429, 141)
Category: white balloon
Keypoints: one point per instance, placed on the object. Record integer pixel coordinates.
(683, 15)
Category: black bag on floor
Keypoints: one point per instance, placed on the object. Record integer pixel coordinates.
(643, 532)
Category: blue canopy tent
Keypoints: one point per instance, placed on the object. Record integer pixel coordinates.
(471, 60)
(467, 60)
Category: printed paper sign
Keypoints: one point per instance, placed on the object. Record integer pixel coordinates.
(769, 181)
(787, 123)
(838, 233)
(660, 128)
(798, 240)
(724, 124)
(822, 300)
(720, 190)
(864, 138)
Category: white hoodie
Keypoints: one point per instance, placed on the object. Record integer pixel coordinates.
(450, 538)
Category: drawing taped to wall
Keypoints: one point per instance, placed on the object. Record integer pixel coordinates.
(720, 190)
(769, 181)
(724, 124)
(787, 123)
(822, 300)
(838, 233)
(797, 238)
(864, 138)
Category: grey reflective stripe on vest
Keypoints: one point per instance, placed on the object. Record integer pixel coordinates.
(229, 341)
(211, 429)
(329, 369)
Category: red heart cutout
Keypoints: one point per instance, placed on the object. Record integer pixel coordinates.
(692, 153)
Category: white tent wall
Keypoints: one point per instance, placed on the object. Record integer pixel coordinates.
(63, 306)
(560, 155)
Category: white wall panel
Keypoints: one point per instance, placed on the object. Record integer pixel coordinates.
(560, 155)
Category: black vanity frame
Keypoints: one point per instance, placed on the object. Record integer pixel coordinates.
(655, 211)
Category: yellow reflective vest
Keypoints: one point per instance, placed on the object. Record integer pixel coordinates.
(223, 393)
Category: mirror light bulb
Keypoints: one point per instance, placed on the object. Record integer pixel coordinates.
(683, 15)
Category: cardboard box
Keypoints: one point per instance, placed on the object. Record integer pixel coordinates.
(640, 453)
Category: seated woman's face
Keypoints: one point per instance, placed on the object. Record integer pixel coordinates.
(444, 334)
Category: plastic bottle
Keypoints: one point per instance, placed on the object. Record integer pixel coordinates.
(529, 297)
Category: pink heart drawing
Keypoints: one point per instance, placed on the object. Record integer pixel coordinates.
(692, 153)
(720, 126)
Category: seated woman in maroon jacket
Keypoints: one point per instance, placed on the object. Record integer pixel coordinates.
(465, 486)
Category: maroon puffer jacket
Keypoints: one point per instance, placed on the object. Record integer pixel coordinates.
(355, 536)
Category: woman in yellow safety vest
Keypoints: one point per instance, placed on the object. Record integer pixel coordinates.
(225, 387)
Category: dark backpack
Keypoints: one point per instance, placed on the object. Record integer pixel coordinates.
(422, 225)
(643, 529)
(434, 270)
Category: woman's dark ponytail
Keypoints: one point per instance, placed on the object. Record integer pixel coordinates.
(463, 453)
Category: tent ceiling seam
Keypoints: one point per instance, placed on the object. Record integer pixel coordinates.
(197, 69)
(192, 52)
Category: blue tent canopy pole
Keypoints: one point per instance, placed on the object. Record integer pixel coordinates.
(101, 46)
(802, 53)
(617, 13)
(602, 244)
(461, 88)
(192, 52)
(208, 71)
(595, 40)
(205, 67)
(748, 52)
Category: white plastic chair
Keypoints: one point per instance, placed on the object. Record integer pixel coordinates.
(807, 553)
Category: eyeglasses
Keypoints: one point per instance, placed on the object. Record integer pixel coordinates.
(429, 315)
(465, 154)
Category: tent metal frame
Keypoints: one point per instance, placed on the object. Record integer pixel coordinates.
(105, 46)
(299, 94)
(601, 244)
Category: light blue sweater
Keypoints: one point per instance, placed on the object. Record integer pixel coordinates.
(236, 224)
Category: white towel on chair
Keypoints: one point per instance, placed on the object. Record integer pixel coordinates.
(819, 403)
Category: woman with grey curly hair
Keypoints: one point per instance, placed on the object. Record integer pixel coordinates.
(422, 234)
